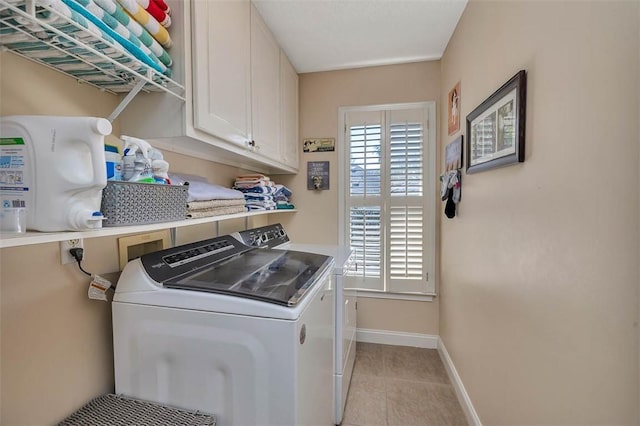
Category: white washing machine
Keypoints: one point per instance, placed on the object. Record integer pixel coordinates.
(275, 236)
(241, 333)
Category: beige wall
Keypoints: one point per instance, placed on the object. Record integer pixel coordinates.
(539, 272)
(55, 344)
(320, 96)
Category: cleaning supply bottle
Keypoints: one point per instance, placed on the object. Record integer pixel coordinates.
(113, 162)
(159, 167)
(136, 164)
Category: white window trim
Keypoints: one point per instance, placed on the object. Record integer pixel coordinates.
(430, 192)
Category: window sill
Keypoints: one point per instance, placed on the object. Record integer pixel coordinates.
(396, 296)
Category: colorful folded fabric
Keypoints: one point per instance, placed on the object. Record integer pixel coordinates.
(282, 190)
(259, 208)
(252, 183)
(285, 206)
(260, 189)
(154, 10)
(114, 9)
(158, 32)
(163, 6)
(120, 29)
(153, 62)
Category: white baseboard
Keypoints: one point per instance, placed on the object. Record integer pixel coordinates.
(397, 338)
(461, 392)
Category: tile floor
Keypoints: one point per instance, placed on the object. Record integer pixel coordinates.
(400, 386)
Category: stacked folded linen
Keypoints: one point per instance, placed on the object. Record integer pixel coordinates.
(206, 199)
(114, 9)
(282, 196)
(121, 33)
(258, 191)
(197, 209)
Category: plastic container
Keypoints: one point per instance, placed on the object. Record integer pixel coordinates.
(55, 168)
(134, 203)
(113, 162)
(13, 220)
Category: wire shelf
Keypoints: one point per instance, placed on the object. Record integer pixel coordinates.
(43, 35)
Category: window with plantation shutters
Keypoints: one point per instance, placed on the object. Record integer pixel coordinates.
(388, 191)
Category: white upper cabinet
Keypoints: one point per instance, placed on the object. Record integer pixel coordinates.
(289, 108)
(230, 65)
(221, 69)
(265, 90)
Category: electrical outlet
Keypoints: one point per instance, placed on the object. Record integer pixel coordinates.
(65, 246)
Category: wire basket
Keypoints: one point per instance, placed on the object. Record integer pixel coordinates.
(116, 410)
(133, 203)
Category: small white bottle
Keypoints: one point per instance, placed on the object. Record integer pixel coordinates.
(113, 162)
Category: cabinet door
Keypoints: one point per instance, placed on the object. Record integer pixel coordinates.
(289, 99)
(265, 90)
(222, 69)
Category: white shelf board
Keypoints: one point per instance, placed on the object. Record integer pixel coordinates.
(28, 238)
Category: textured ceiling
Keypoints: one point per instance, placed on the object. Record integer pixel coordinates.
(337, 34)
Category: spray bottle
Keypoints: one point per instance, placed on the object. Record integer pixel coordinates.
(136, 164)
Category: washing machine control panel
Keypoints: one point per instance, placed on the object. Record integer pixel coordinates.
(170, 263)
(266, 236)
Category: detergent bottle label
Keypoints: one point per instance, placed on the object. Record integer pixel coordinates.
(13, 185)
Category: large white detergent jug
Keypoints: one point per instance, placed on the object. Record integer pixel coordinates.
(59, 165)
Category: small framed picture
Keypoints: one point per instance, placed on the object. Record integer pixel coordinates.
(454, 109)
(319, 145)
(318, 175)
(496, 128)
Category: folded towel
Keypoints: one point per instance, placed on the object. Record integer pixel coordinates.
(114, 9)
(201, 190)
(150, 59)
(250, 197)
(252, 183)
(252, 177)
(202, 205)
(260, 189)
(282, 190)
(285, 206)
(120, 29)
(260, 208)
(142, 16)
(163, 6)
(155, 11)
(217, 211)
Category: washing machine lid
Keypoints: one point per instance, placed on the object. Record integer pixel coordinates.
(280, 277)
